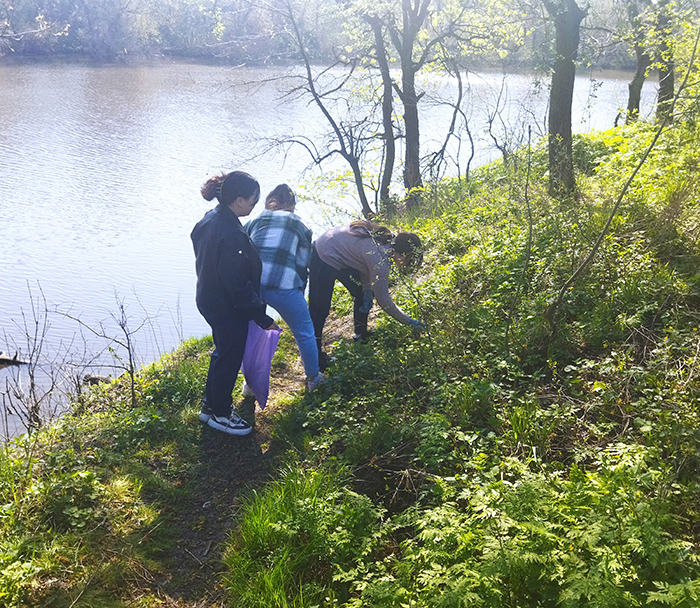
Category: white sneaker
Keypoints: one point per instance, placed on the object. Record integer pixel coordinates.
(233, 425)
(312, 383)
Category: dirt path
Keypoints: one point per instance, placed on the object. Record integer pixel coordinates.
(228, 469)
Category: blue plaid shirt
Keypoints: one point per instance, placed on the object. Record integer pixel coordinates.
(283, 242)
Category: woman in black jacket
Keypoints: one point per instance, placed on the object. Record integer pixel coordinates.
(228, 291)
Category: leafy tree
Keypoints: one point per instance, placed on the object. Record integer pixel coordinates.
(419, 36)
(665, 61)
(186, 27)
(655, 31)
(21, 24)
(651, 31)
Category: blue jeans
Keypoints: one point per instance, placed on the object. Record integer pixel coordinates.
(291, 305)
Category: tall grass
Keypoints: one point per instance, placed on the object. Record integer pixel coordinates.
(297, 537)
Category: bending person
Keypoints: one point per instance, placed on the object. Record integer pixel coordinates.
(228, 291)
(284, 244)
(360, 256)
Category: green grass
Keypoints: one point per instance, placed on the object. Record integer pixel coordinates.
(499, 459)
(304, 529)
(79, 498)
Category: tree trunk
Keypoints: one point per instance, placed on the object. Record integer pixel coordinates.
(354, 163)
(411, 177)
(414, 13)
(643, 63)
(567, 22)
(666, 66)
(635, 86)
(387, 110)
(412, 21)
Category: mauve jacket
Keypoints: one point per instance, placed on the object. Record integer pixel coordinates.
(228, 270)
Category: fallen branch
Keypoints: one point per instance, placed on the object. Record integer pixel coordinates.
(7, 361)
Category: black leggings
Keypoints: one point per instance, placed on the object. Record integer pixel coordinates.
(322, 279)
(230, 335)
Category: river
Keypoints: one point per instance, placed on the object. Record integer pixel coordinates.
(100, 176)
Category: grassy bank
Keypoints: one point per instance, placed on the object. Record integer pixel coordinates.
(509, 457)
(505, 457)
(118, 505)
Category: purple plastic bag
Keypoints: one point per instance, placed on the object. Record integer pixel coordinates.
(259, 350)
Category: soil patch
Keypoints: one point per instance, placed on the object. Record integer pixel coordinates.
(228, 469)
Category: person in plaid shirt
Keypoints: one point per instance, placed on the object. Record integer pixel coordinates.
(283, 242)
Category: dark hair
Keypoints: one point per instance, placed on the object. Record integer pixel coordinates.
(227, 187)
(380, 234)
(409, 244)
(282, 197)
(406, 243)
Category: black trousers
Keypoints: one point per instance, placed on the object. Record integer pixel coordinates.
(230, 336)
(322, 278)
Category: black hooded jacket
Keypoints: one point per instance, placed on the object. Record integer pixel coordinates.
(228, 269)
